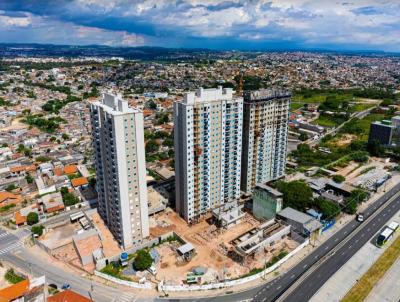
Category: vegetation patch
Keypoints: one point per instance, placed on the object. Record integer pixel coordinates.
(12, 277)
(363, 287)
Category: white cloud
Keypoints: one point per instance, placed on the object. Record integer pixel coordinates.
(10, 22)
(305, 21)
(38, 29)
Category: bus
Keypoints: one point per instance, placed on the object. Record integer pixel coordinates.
(387, 234)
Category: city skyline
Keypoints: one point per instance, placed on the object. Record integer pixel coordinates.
(241, 25)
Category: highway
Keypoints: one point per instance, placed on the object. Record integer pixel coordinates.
(21, 258)
(331, 261)
(271, 291)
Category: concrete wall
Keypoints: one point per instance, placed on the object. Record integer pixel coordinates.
(173, 288)
(146, 285)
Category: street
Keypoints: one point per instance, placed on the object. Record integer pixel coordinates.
(21, 258)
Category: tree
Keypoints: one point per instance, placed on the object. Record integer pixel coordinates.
(11, 187)
(329, 208)
(151, 104)
(296, 194)
(303, 137)
(375, 148)
(65, 136)
(151, 146)
(32, 218)
(37, 230)
(29, 178)
(338, 178)
(143, 260)
(360, 156)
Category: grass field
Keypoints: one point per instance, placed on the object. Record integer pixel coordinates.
(360, 291)
(361, 127)
(325, 121)
(295, 105)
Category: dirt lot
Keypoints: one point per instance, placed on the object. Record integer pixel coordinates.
(211, 245)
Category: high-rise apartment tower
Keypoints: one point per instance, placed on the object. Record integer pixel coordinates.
(208, 144)
(118, 143)
(265, 134)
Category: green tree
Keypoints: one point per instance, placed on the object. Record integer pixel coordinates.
(329, 208)
(32, 218)
(303, 137)
(29, 178)
(296, 194)
(151, 146)
(65, 136)
(143, 260)
(338, 178)
(37, 230)
(375, 148)
(11, 187)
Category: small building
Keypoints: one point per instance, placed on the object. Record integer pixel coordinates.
(7, 198)
(265, 235)
(79, 182)
(333, 197)
(52, 202)
(15, 292)
(70, 169)
(88, 246)
(266, 202)
(186, 251)
(228, 214)
(68, 296)
(301, 222)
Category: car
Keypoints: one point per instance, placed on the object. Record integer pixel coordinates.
(360, 217)
(65, 286)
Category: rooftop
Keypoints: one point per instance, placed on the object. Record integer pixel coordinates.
(14, 291)
(68, 296)
(115, 104)
(207, 95)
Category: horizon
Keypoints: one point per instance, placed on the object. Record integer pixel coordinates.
(260, 25)
(188, 48)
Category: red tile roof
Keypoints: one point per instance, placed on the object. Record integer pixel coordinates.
(80, 181)
(14, 291)
(68, 296)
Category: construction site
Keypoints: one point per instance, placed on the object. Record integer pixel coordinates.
(224, 245)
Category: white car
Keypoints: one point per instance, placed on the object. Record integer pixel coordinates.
(360, 217)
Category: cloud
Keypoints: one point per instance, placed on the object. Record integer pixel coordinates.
(39, 29)
(361, 24)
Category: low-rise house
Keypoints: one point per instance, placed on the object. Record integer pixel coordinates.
(79, 182)
(303, 223)
(68, 296)
(7, 198)
(52, 202)
(70, 169)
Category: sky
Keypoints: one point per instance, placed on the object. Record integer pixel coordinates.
(215, 24)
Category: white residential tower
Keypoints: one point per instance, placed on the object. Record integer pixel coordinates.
(118, 142)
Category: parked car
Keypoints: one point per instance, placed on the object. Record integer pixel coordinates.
(360, 217)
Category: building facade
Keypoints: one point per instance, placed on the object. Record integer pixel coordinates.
(265, 134)
(381, 131)
(208, 144)
(118, 143)
(266, 202)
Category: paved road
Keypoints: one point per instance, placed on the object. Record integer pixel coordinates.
(271, 291)
(10, 242)
(267, 292)
(310, 285)
(33, 264)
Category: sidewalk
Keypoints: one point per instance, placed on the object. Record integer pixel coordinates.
(388, 288)
(344, 279)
